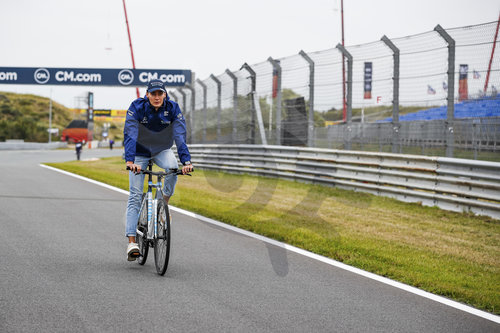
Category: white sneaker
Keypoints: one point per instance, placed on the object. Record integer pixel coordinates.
(132, 251)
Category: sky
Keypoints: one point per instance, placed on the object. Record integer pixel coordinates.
(204, 36)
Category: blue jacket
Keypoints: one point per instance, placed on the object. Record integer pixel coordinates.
(147, 131)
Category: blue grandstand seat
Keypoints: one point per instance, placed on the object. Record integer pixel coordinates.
(480, 108)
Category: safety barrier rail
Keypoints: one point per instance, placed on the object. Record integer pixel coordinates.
(448, 183)
(21, 145)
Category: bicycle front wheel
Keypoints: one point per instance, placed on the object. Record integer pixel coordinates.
(142, 226)
(162, 241)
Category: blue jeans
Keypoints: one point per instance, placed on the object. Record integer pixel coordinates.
(165, 160)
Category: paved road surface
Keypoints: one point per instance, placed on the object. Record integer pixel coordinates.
(64, 269)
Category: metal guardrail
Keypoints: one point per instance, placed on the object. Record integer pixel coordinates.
(21, 145)
(448, 183)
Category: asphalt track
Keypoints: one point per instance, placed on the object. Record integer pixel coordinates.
(64, 269)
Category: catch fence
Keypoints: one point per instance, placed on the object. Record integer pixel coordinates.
(433, 93)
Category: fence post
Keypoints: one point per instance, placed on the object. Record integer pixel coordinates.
(235, 102)
(277, 68)
(191, 117)
(183, 94)
(204, 87)
(253, 78)
(219, 103)
(183, 101)
(310, 123)
(396, 144)
(349, 94)
(450, 114)
(173, 95)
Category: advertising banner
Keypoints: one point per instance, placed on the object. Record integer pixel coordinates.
(463, 90)
(100, 113)
(92, 76)
(368, 80)
(275, 83)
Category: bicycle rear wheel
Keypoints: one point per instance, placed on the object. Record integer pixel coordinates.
(162, 242)
(142, 226)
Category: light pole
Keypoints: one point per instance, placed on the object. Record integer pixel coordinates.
(50, 116)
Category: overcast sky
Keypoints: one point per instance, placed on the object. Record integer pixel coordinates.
(205, 36)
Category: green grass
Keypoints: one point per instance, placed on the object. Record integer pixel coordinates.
(446, 253)
(26, 116)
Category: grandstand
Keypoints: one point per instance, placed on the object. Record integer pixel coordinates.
(477, 108)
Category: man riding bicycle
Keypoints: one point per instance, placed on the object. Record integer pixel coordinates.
(152, 125)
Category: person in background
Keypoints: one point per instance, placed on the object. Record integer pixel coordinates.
(78, 148)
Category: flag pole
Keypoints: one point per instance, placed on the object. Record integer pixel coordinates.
(491, 58)
(130, 43)
(343, 61)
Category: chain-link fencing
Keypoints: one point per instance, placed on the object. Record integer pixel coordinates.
(433, 93)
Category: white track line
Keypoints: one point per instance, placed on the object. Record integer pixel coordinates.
(396, 284)
(86, 179)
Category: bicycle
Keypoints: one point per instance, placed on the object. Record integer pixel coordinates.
(153, 227)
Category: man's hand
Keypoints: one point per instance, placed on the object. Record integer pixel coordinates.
(187, 169)
(135, 168)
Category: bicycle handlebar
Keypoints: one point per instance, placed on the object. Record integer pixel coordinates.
(163, 174)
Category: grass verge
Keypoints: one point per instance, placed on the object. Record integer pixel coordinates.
(450, 254)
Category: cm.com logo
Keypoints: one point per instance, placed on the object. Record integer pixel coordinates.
(42, 75)
(126, 77)
(166, 78)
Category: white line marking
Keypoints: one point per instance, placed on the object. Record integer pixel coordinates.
(86, 179)
(396, 284)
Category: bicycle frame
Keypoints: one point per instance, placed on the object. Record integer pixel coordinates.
(152, 208)
(152, 204)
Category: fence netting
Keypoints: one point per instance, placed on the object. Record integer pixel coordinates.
(394, 96)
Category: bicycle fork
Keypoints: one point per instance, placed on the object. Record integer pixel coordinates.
(149, 206)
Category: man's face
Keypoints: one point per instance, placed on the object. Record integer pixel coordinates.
(156, 98)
